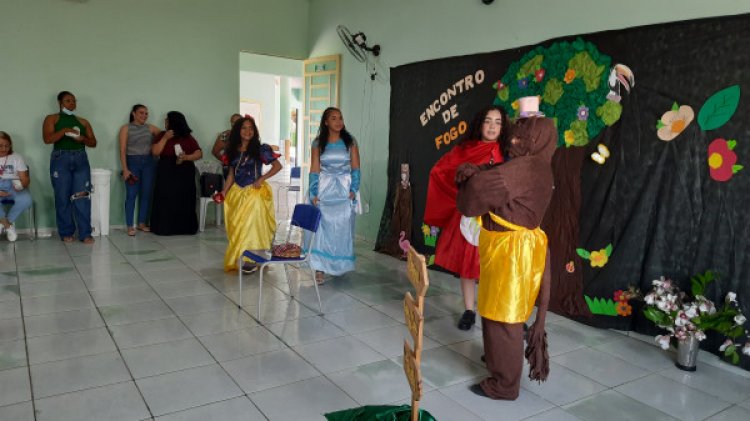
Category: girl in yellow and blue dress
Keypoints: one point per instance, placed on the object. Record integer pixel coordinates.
(248, 204)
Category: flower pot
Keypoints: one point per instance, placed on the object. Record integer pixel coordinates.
(687, 353)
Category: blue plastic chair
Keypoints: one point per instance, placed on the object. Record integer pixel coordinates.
(306, 217)
(294, 185)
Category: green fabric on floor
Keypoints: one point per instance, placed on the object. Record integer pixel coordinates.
(378, 413)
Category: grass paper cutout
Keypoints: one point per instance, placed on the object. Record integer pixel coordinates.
(601, 306)
(719, 108)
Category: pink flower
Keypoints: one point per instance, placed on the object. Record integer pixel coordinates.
(663, 341)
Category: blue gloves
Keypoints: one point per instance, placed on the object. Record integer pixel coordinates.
(355, 181)
(312, 189)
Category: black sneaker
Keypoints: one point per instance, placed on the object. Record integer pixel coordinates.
(467, 320)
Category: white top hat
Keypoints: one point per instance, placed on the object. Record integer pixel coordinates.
(528, 106)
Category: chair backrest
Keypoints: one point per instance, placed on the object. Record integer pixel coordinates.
(306, 217)
(295, 172)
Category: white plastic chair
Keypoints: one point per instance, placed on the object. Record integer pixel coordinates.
(306, 217)
(204, 202)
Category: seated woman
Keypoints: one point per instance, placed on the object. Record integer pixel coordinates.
(14, 178)
(173, 212)
(248, 208)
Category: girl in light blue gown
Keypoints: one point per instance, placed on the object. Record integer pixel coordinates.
(334, 184)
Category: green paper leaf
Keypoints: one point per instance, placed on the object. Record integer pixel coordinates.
(675, 107)
(731, 144)
(583, 253)
(503, 93)
(736, 168)
(735, 359)
(659, 125)
(719, 108)
(608, 250)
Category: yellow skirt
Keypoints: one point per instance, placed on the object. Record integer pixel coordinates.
(511, 268)
(250, 221)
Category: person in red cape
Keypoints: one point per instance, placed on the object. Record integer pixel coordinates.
(482, 145)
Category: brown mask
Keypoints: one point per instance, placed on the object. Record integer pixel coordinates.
(534, 136)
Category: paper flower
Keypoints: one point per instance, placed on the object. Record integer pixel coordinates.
(583, 113)
(599, 258)
(434, 231)
(570, 75)
(425, 229)
(570, 267)
(674, 121)
(722, 159)
(623, 308)
(523, 83)
(620, 295)
(539, 75)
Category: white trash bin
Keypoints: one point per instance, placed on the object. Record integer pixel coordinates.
(100, 201)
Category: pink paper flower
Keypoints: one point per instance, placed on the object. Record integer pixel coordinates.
(721, 160)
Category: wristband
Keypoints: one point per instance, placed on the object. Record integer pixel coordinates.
(313, 186)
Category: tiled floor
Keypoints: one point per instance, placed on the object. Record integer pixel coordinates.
(147, 328)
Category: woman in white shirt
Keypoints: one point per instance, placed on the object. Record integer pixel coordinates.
(14, 179)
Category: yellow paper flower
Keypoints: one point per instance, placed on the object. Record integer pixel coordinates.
(425, 229)
(599, 258)
(514, 104)
(673, 122)
(569, 137)
(570, 75)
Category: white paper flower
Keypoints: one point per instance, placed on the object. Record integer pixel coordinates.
(746, 349)
(724, 346)
(731, 297)
(663, 341)
(740, 319)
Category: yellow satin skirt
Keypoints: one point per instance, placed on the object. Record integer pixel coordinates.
(511, 268)
(250, 221)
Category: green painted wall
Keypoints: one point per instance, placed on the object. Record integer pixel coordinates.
(168, 54)
(417, 30)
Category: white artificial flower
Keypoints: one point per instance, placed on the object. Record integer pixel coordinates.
(663, 305)
(699, 335)
(746, 348)
(666, 284)
(658, 282)
(731, 297)
(663, 341)
(650, 298)
(724, 346)
(691, 311)
(681, 319)
(740, 319)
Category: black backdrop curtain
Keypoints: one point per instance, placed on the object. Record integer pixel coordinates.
(653, 200)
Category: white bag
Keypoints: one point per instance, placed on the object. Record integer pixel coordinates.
(470, 229)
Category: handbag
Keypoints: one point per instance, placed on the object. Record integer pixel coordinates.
(210, 184)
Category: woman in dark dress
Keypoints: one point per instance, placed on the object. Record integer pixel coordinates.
(173, 211)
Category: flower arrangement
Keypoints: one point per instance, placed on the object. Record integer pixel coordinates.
(684, 316)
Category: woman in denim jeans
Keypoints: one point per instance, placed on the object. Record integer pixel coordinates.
(138, 166)
(69, 168)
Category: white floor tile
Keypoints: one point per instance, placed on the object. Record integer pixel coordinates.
(150, 332)
(52, 287)
(151, 360)
(134, 313)
(389, 341)
(563, 386)
(269, 370)
(735, 413)
(124, 296)
(443, 367)
(117, 402)
(644, 355)
(527, 404)
(673, 398)
(62, 346)
(212, 322)
(235, 409)
(241, 343)
(75, 374)
(23, 411)
(725, 386)
(600, 367)
(55, 303)
(376, 383)
(11, 329)
(66, 321)
(14, 386)
(13, 354)
(612, 405)
(338, 354)
(307, 330)
(360, 320)
(313, 398)
(187, 389)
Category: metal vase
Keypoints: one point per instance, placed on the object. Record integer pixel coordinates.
(687, 353)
